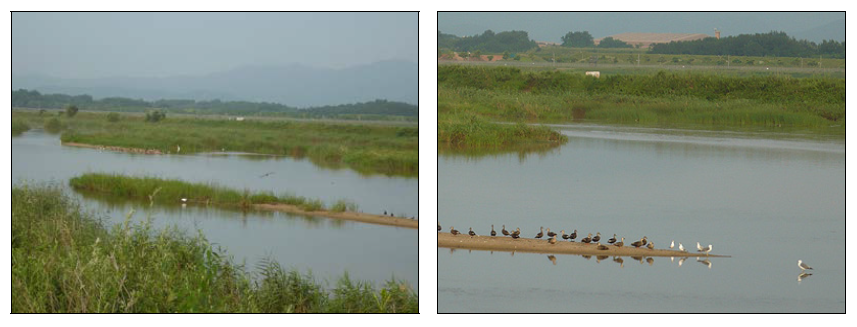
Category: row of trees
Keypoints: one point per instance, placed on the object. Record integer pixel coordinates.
(775, 44)
(489, 42)
(585, 40)
(34, 99)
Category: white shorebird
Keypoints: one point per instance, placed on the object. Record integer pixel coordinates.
(672, 244)
(706, 249)
(184, 199)
(681, 247)
(802, 265)
(698, 247)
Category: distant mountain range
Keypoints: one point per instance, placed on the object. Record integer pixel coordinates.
(293, 85)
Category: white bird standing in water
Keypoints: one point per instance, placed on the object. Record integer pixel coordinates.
(802, 265)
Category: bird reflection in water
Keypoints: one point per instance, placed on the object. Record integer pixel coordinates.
(802, 276)
(705, 262)
(587, 257)
(620, 261)
(600, 257)
(681, 261)
(650, 260)
(552, 259)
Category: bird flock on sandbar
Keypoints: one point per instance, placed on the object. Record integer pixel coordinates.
(589, 239)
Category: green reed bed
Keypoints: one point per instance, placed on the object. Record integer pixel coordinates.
(657, 99)
(66, 260)
(19, 126)
(469, 130)
(366, 148)
(158, 190)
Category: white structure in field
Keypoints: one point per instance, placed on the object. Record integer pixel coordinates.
(594, 74)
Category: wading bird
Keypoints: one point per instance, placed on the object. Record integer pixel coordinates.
(612, 240)
(453, 230)
(637, 244)
(651, 245)
(540, 234)
(573, 236)
(564, 235)
(597, 237)
(672, 244)
(802, 265)
(517, 233)
(644, 240)
(505, 232)
(551, 234)
(587, 239)
(620, 243)
(681, 247)
(493, 233)
(552, 240)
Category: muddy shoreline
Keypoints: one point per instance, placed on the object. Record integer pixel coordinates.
(505, 243)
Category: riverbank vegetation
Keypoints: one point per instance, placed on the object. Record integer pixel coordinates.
(366, 148)
(470, 131)
(66, 260)
(662, 98)
(157, 190)
(19, 126)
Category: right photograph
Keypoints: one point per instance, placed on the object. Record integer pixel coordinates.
(665, 162)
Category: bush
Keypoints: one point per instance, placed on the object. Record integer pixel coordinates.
(53, 125)
(112, 117)
(71, 110)
(155, 116)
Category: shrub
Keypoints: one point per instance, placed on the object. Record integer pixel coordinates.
(155, 116)
(112, 117)
(53, 125)
(71, 110)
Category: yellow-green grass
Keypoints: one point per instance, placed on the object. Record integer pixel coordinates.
(65, 260)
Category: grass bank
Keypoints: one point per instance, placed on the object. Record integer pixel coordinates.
(169, 191)
(674, 99)
(19, 126)
(366, 148)
(65, 260)
(472, 131)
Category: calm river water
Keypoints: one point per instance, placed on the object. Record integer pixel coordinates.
(765, 199)
(328, 248)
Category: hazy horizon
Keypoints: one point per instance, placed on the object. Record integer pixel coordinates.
(552, 26)
(100, 45)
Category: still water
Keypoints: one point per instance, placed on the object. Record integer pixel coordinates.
(328, 248)
(765, 199)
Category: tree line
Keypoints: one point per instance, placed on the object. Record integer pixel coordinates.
(34, 99)
(775, 44)
(488, 41)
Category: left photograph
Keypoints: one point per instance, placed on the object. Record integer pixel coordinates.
(215, 162)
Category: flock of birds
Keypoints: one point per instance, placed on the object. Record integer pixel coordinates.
(589, 239)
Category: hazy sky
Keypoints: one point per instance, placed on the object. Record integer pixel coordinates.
(84, 45)
(552, 26)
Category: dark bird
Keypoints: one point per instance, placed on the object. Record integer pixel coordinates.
(587, 239)
(385, 212)
(564, 235)
(471, 233)
(266, 175)
(612, 240)
(453, 230)
(573, 236)
(620, 243)
(505, 232)
(517, 233)
(551, 234)
(540, 234)
(438, 227)
(597, 237)
(493, 233)
(602, 247)
(644, 241)
(391, 214)
(637, 244)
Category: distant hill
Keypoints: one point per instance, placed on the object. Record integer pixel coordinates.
(294, 85)
(830, 31)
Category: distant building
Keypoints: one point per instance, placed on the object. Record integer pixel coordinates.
(644, 40)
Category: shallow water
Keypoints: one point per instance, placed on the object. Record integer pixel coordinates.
(764, 199)
(328, 248)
